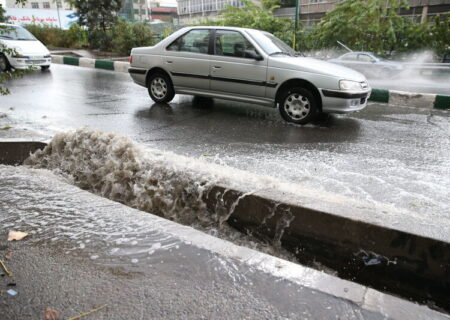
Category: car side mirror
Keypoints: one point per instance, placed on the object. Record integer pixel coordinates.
(252, 54)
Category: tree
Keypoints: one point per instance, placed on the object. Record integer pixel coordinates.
(252, 16)
(372, 25)
(98, 16)
(440, 35)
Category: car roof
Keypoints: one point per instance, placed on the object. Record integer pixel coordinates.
(8, 24)
(359, 52)
(222, 27)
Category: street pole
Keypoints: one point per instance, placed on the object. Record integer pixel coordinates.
(58, 3)
(296, 22)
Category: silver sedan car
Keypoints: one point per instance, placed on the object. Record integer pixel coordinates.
(250, 66)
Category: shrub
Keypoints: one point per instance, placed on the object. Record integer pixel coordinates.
(55, 37)
(126, 35)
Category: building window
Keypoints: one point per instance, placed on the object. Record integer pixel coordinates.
(35, 5)
(46, 5)
(136, 11)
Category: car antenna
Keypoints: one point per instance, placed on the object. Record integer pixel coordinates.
(343, 45)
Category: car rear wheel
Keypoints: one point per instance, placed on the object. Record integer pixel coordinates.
(160, 88)
(4, 63)
(298, 105)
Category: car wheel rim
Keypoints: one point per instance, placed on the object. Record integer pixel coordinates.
(159, 87)
(297, 107)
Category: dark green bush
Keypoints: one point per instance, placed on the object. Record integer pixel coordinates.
(126, 35)
(55, 37)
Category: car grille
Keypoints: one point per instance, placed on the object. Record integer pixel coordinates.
(34, 61)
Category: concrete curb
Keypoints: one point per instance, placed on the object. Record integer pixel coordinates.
(407, 263)
(399, 98)
(118, 66)
(410, 99)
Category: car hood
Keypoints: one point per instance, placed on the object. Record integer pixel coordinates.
(27, 47)
(316, 66)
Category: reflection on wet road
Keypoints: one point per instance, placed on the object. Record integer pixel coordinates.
(382, 154)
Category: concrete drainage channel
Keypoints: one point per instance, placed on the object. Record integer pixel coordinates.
(405, 263)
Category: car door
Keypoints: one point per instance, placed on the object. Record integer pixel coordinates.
(188, 60)
(234, 68)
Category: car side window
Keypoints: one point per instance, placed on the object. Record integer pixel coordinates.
(196, 40)
(232, 44)
(364, 58)
(349, 57)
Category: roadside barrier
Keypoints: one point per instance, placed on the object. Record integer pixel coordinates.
(393, 97)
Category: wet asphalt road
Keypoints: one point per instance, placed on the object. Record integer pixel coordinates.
(383, 154)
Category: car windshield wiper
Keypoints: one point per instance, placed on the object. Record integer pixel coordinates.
(6, 37)
(280, 52)
(26, 39)
(299, 54)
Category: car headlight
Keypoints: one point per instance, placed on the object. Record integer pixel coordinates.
(349, 85)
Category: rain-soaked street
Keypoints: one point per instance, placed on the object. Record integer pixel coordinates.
(385, 169)
(384, 154)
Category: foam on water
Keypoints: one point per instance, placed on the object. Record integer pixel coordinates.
(174, 186)
(161, 183)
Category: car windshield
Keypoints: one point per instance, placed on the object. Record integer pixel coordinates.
(271, 44)
(15, 33)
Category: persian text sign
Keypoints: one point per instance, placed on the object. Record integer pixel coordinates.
(63, 18)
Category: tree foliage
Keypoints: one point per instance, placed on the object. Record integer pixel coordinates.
(372, 25)
(98, 16)
(127, 35)
(256, 17)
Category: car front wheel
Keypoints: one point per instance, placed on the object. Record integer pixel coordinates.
(160, 88)
(4, 64)
(298, 105)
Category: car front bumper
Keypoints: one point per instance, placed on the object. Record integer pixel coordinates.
(339, 101)
(29, 61)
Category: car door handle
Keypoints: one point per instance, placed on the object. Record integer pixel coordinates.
(217, 67)
(169, 61)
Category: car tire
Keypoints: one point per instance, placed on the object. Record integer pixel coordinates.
(298, 105)
(160, 88)
(43, 68)
(4, 63)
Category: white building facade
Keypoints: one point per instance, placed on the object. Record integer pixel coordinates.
(191, 11)
(38, 4)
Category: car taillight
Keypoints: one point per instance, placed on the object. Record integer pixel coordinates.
(131, 59)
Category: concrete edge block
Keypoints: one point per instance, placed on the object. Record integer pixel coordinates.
(410, 99)
(104, 64)
(57, 59)
(73, 61)
(442, 102)
(379, 95)
(121, 66)
(87, 63)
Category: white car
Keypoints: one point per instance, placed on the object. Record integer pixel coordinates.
(28, 50)
(247, 65)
